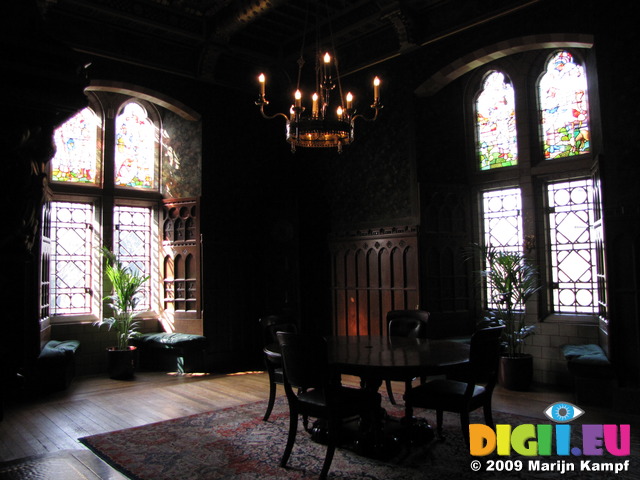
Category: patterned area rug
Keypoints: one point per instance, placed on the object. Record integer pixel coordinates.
(236, 443)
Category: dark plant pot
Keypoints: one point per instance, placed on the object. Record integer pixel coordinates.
(516, 373)
(121, 364)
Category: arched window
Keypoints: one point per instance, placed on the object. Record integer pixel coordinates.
(136, 150)
(564, 107)
(496, 123)
(107, 191)
(77, 157)
(544, 205)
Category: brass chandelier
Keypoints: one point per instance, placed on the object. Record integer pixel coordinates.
(327, 124)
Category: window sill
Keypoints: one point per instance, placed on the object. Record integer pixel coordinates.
(571, 319)
(90, 318)
(73, 319)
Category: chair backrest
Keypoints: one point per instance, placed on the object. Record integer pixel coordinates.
(407, 323)
(484, 354)
(271, 324)
(305, 360)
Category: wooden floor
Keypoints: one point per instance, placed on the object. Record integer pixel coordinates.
(94, 405)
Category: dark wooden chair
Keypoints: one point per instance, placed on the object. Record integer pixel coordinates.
(272, 359)
(408, 324)
(470, 388)
(319, 393)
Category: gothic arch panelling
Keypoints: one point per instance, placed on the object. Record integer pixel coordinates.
(373, 272)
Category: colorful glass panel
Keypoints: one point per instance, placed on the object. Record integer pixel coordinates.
(496, 123)
(76, 158)
(135, 148)
(564, 109)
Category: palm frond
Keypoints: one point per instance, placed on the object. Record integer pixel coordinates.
(126, 285)
(511, 279)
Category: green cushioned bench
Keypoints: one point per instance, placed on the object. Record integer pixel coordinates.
(56, 364)
(181, 352)
(593, 373)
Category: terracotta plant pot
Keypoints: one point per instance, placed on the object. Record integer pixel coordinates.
(516, 373)
(121, 364)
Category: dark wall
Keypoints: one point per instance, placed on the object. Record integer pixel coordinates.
(618, 84)
(31, 113)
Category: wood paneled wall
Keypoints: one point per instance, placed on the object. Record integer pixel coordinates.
(371, 273)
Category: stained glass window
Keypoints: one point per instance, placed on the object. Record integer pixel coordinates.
(564, 109)
(132, 237)
(573, 253)
(135, 148)
(496, 123)
(77, 149)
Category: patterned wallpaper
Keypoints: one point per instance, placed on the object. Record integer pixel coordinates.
(182, 157)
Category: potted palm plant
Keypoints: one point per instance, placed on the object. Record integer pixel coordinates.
(511, 279)
(126, 285)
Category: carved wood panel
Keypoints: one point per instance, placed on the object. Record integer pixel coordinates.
(372, 272)
(181, 266)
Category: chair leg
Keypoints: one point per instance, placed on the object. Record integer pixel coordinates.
(439, 423)
(464, 425)
(291, 439)
(407, 387)
(488, 414)
(327, 461)
(390, 392)
(272, 399)
(408, 408)
(333, 427)
(305, 423)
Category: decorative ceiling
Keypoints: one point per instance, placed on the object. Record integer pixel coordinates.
(224, 41)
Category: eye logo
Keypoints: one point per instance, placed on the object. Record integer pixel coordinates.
(563, 412)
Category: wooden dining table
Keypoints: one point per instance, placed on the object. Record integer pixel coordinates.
(375, 358)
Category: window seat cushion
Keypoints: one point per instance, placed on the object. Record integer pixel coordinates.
(587, 360)
(59, 348)
(56, 365)
(180, 352)
(174, 341)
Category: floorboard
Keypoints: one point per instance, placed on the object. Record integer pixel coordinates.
(96, 404)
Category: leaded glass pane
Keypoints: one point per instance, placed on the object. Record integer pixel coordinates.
(71, 257)
(502, 221)
(77, 149)
(132, 245)
(496, 123)
(564, 110)
(573, 254)
(135, 157)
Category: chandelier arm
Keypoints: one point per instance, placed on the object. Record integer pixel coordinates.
(261, 103)
(372, 118)
(271, 117)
